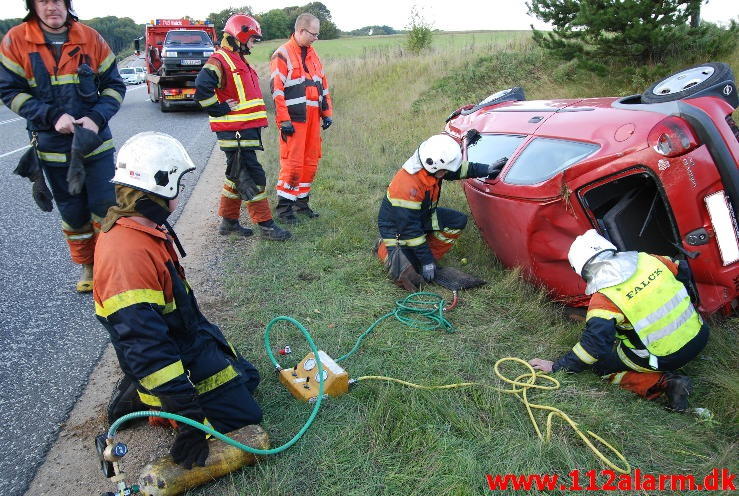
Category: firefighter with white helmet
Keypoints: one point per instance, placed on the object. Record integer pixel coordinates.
(227, 87)
(172, 357)
(409, 219)
(641, 326)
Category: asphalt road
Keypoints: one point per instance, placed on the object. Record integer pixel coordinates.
(49, 337)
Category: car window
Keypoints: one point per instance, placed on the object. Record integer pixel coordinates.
(543, 158)
(188, 38)
(127, 71)
(491, 147)
(139, 69)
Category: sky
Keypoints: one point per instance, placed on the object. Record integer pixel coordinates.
(446, 15)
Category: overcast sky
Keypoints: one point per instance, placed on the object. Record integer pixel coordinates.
(347, 14)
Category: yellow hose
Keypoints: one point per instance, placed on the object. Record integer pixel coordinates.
(519, 389)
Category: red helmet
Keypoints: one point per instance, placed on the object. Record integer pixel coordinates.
(243, 28)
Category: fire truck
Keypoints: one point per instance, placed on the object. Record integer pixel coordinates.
(175, 51)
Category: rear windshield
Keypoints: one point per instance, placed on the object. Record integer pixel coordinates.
(544, 158)
(187, 38)
(127, 71)
(491, 147)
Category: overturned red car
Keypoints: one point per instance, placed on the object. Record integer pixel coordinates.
(655, 172)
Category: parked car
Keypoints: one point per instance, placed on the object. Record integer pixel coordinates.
(141, 73)
(655, 172)
(129, 75)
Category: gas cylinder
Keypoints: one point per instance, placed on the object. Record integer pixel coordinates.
(163, 477)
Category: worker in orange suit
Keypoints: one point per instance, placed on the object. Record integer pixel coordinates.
(227, 88)
(641, 326)
(303, 107)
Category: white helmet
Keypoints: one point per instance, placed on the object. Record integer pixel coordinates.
(152, 162)
(585, 247)
(440, 152)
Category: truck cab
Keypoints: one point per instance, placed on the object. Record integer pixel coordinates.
(185, 51)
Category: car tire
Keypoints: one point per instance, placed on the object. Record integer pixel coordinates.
(687, 82)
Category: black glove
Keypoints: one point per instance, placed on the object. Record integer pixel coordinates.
(41, 195)
(428, 272)
(327, 121)
(495, 168)
(472, 136)
(84, 142)
(286, 129)
(190, 447)
(218, 110)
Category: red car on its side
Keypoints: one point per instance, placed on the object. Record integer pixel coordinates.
(655, 172)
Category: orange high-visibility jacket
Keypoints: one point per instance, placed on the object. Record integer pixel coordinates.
(226, 75)
(293, 87)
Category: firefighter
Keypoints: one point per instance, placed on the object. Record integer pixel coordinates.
(409, 219)
(175, 359)
(227, 88)
(60, 76)
(303, 107)
(641, 303)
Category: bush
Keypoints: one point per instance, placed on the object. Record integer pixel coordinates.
(419, 32)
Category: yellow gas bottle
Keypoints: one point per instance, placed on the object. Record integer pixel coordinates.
(163, 477)
(302, 380)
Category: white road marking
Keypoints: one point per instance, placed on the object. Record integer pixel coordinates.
(11, 120)
(14, 151)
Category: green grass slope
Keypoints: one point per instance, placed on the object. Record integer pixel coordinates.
(384, 439)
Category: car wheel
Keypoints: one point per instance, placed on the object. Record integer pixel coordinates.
(687, 82)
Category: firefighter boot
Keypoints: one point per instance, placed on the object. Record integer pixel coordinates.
(232, 226)
(677, 389)
(284, 211)
(273, 232)
(84, 285)
(124, 400)
(302, 207)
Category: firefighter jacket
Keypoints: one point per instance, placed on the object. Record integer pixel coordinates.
(84, 83)
(650, 315)
(161, 338)
(297, 81)
(227, 76)
(408, 210)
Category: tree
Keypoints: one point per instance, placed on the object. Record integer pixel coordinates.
(119, 32)
(6, 24)
(219, 18)
(275, 24)
(329, 30)
(419, 32)
(635, 30)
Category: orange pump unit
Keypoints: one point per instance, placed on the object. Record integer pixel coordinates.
(303, 381)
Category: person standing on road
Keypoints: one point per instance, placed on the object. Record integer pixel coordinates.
(172, 357)
(641, 303)
(61, 77)
(301, 95)
(227, 87)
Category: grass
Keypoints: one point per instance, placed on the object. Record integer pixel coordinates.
(383, 439)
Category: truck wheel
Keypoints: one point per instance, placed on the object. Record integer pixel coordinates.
(164, 105)
(687, 82)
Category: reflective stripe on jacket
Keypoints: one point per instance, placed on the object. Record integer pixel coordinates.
(658, 307)
(84, 83)
(235, 80)
(293, 89)
(143, 300)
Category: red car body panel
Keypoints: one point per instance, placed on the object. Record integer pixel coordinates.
(532, 226)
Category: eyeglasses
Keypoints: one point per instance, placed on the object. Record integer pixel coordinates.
(315, 35)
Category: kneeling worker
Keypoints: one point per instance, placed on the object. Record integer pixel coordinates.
(167, 349)
(640, 301)
(409, 219)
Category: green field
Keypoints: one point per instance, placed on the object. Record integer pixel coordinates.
(370, 46)
(385, 439)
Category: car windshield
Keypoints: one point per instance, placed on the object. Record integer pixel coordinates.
(187, 38)
(491, 147)
(127, 71)
(544, 158)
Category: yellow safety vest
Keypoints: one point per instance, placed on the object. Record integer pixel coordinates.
(658, 307)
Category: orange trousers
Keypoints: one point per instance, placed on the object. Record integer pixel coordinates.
(299, 156)
(230, 206)
(440, 242)
(81, 241)
(645, 384)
